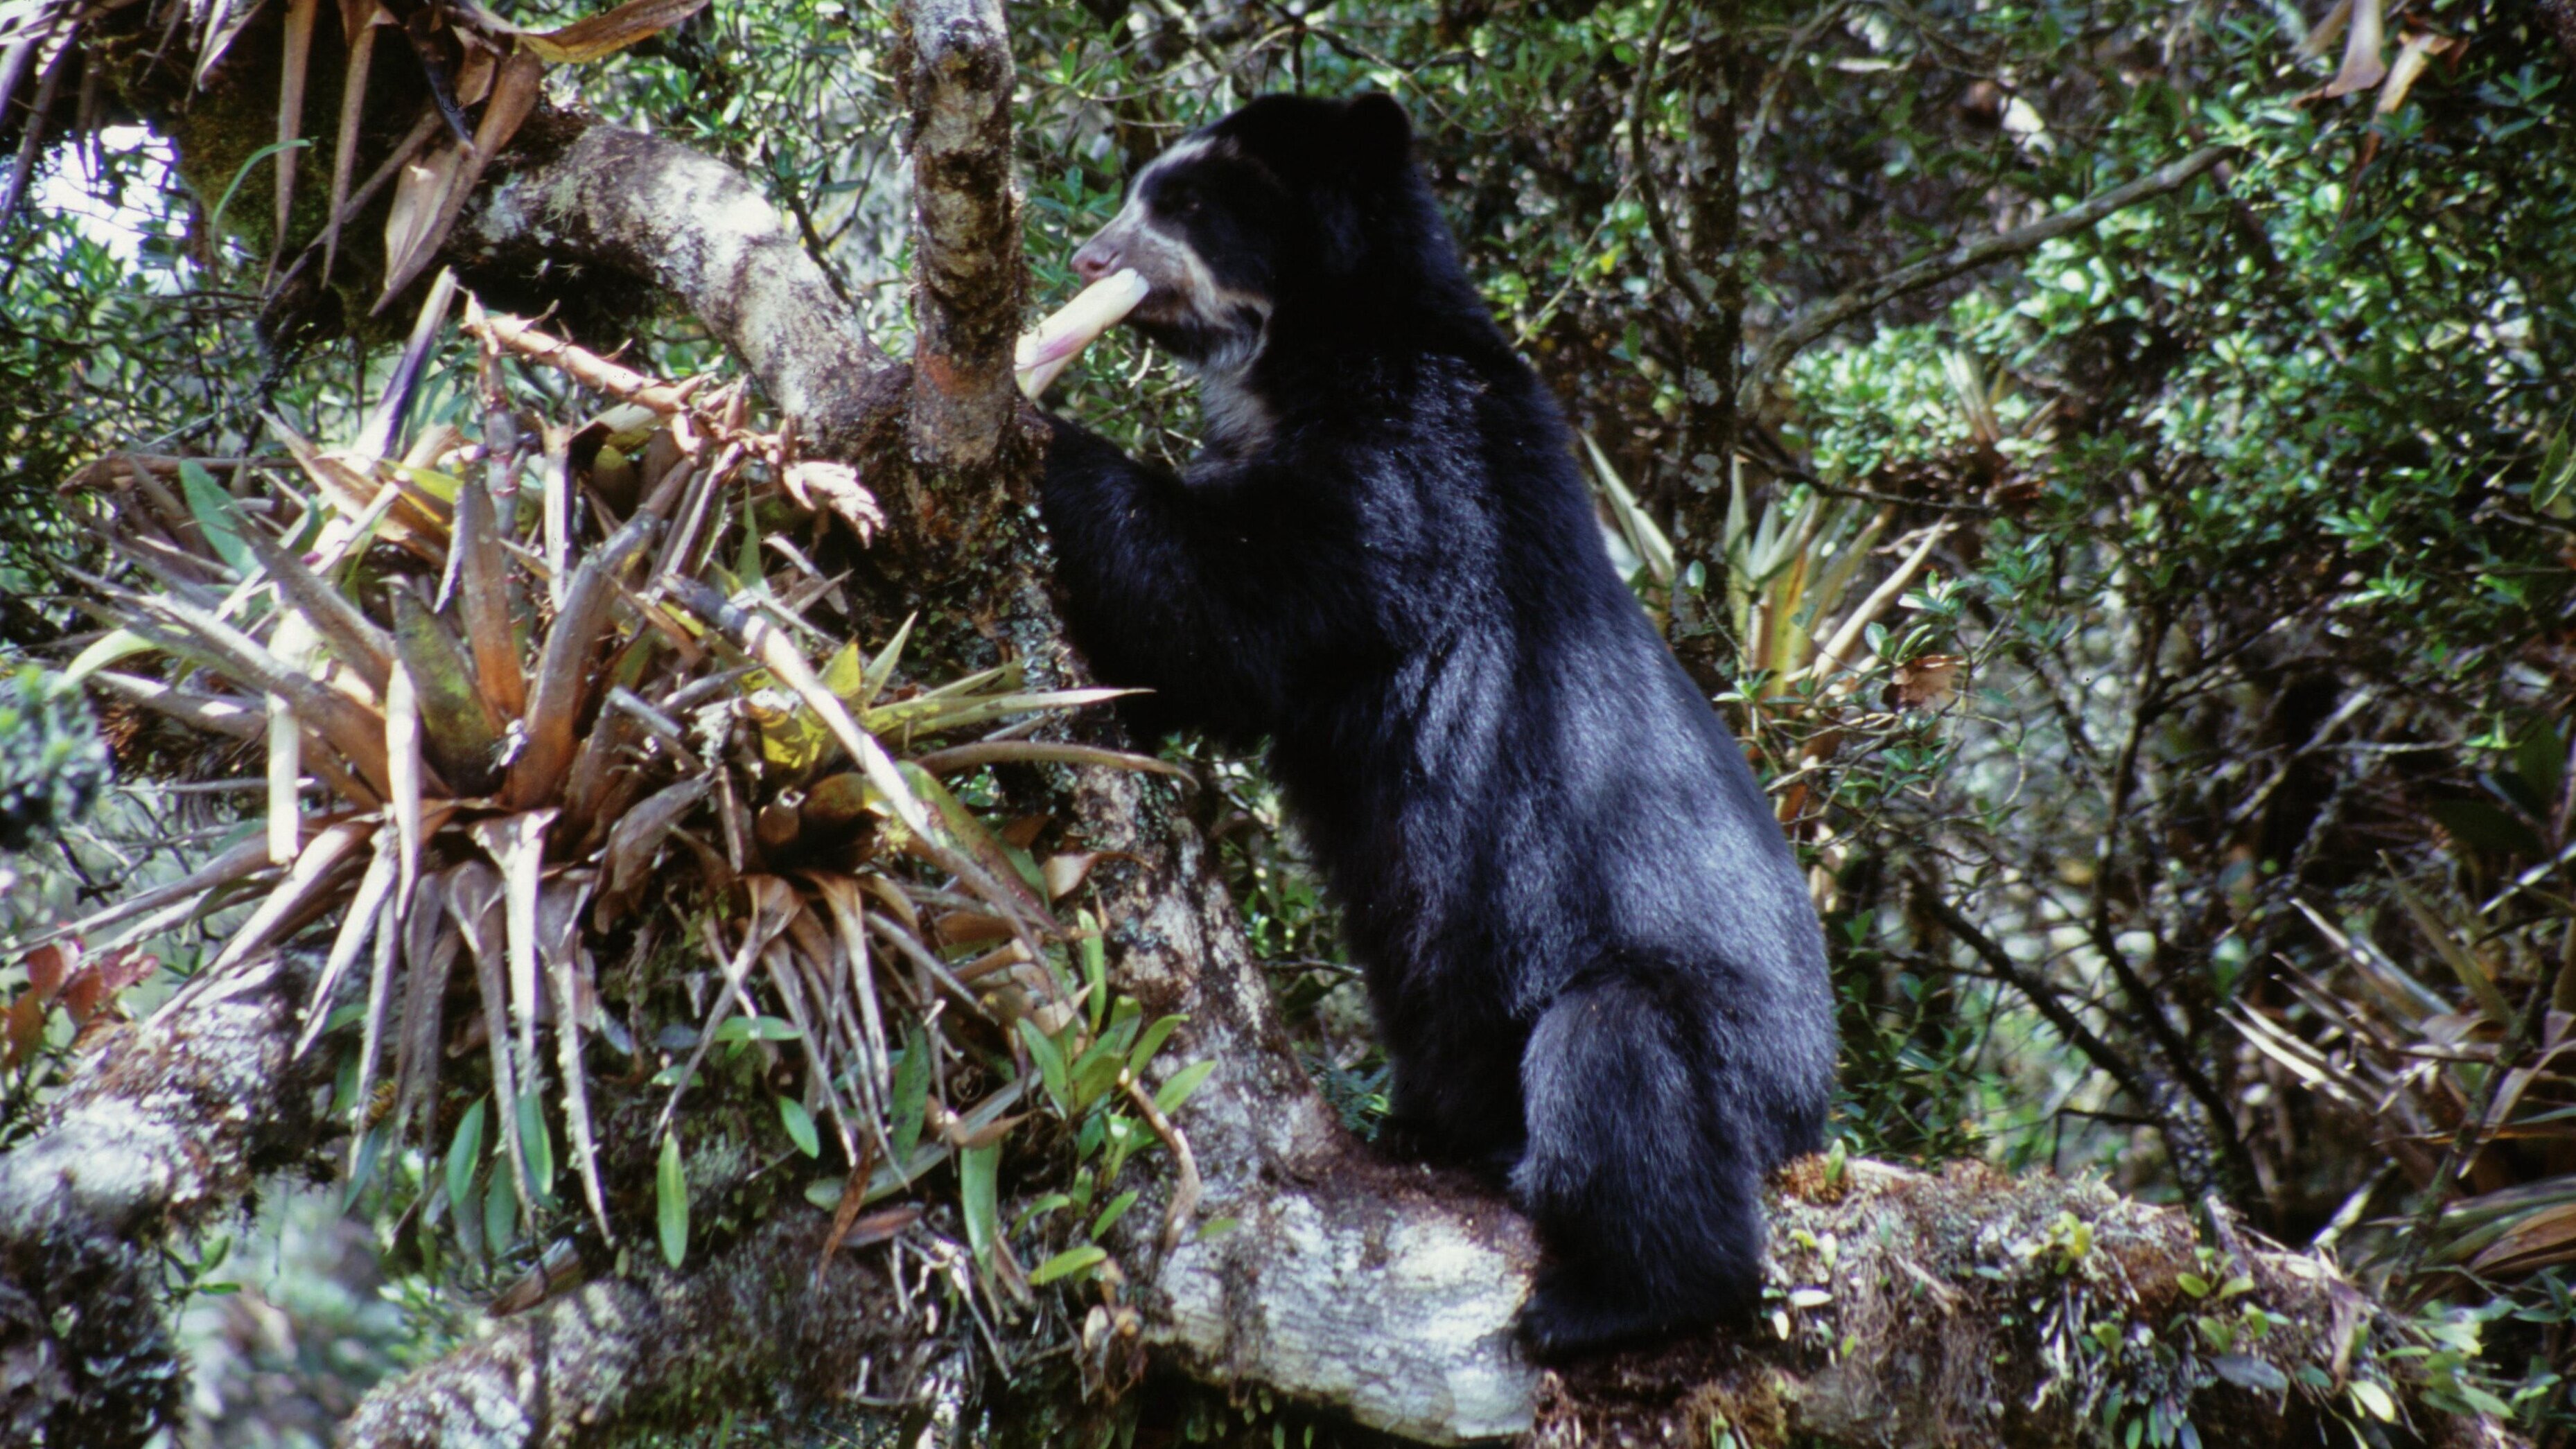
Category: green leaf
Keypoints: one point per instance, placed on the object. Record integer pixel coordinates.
(845, 672)
(2540, 759)
(217, 517)
(1185, 1081)
(671, 1202)
(2374, 1400)
(1041, 1208)
(1095, 964)
(2248, 1372)
(800, 1126)
(2482, 1401)
(103, 651)
(2485, 825)
(537, 1145)
(911, 1093)
(370, 1149)
(976, 1169)
(464, 1153)
(1152, 1042)
(2193, 1284)
(500, 1214)
(2447, 946)
(1049, 1058)
(1215, 1228)
(1110, 1215)
(215, 222)
(756, 1028)
(1093, 1075)
(881, 668)
(1070, 1261)
(747, 564)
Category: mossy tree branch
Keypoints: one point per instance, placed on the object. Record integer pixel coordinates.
(167, 1125)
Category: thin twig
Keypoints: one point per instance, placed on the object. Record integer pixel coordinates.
(1185, 1197)
(2045, 998)
(1651, 195)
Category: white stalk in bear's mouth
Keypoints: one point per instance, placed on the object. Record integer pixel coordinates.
(1045, 353)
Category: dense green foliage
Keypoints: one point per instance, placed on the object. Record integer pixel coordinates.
(52, 762)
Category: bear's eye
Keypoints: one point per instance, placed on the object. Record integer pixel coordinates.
(1178, 201)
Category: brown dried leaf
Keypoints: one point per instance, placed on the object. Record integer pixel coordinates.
(849, 921)
(47, 968)
(514, 95)
(877, 1227)
(420, 195)
(357, 925)
(26, 1027)
(638, 836)
(225, 20)
(483, 583)
(968, 928)
(361, 500)
(303, 882)
(597, 35)
(474, 74)
(296, 59)
(430, 944)
(2546, 1237)
(205, 711)
(2413, 55)
(563, 677)
(474, 893)
(837, 486)
(352, 728)
(1065, 873)
(246, 858)
(2327, 31)
(358, 27)
(354, 638)
(517, 843)
(2363, 66)
(371, 1034)
(559, 942)
(1927, 682)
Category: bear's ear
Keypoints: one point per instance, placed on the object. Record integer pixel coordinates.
(1379, 132)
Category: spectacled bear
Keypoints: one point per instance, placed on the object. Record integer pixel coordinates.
(1590, 953)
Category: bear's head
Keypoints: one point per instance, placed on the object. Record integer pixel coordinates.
(1290, 209)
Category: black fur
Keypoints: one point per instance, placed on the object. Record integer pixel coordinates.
(1590, 951)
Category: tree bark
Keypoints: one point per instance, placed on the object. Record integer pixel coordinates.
(608, 198)
(762, 1323)
(167, 1125)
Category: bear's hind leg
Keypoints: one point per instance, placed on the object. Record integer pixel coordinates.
(1640, 1170)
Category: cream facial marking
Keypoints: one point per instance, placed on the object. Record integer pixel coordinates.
(1183, 288)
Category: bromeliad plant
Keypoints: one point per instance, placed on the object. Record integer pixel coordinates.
(2452, 1035)
(585, 797)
